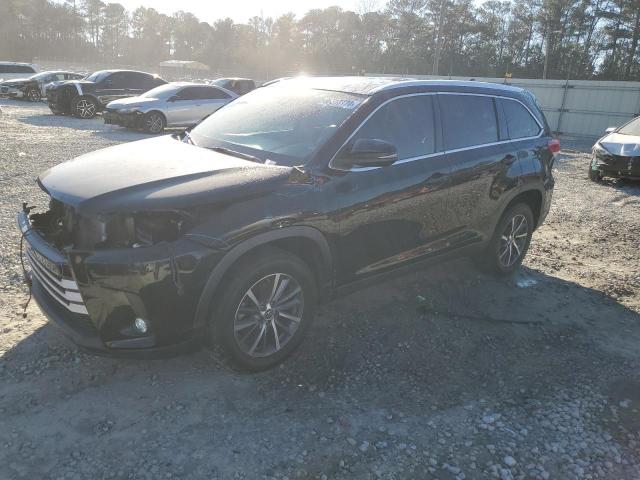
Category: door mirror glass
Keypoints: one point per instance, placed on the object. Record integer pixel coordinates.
(610, 130)
(371, 152)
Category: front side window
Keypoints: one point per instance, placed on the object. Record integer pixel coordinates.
(283, 125)
(188, 93)
(212, 93)
(519, 121)
(468, 120)
(405, 122)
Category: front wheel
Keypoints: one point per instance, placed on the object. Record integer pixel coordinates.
(33, 95)
(154, 122)
(510, 241)
(84, 107)
(594, 175)
(265, 310)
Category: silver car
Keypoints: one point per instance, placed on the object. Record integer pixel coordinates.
(178, 104)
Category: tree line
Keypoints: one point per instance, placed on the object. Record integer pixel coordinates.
(578, 39)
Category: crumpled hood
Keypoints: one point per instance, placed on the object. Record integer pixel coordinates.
(130, 102)
(159, 173)
(623, 145)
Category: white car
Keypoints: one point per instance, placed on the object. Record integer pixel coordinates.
(10, 70)
(34, 88)
(178, 104)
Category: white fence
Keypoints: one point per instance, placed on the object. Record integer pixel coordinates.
(580, 108)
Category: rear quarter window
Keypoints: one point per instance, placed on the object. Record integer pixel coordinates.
(520, 122)
(468, 120)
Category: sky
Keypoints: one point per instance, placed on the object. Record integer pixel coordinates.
(241, 10)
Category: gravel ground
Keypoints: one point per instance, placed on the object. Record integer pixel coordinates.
(445, 374)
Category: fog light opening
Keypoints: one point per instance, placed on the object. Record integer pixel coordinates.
(141, 325)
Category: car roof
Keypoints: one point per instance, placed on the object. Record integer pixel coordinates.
(18, 63)
(127, 71)
(372, 85)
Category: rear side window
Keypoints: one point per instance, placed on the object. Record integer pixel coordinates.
(405, 122)
(468, 120)
(519, 121)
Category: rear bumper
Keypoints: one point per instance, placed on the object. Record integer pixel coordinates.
(96, 301)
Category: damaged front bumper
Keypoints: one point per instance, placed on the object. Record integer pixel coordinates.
(11, 92)
(130, 119)
(616, 166)
(96, 296)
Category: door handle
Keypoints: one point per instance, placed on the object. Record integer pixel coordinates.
(509, 159)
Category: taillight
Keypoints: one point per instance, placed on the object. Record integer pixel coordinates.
(554, 146)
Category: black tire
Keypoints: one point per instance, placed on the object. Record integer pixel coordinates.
(55, 111)
(503, 246)
(33, 95)
(154, 122)
(235, 319)
(594, 175)
(84, 107)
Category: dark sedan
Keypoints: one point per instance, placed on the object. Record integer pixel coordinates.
(617, 154)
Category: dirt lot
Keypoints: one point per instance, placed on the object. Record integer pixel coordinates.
(443, 374)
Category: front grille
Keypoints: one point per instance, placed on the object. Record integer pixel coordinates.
(62, 289)
(623, 165)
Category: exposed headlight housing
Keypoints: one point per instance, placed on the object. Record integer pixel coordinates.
(601, 153)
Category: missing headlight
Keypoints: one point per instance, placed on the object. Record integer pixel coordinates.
(150, 228)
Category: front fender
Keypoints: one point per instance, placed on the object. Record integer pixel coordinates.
(235, 253)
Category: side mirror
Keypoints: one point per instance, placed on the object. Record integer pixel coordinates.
(173, 98)
(371, 152)
(610, 130)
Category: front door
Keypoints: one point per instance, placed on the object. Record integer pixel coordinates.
(396, 214)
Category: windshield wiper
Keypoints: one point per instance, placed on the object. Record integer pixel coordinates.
(234, 153)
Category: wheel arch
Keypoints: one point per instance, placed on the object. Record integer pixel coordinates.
(533, 198)
(308, 243)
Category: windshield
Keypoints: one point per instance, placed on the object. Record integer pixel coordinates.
(162, 91)
(280, 125)
(97, 76)
(631, 128)
(40, 76)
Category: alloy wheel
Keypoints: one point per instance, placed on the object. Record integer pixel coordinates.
(268, 315)
(86, 108)
(34, 95)
(513, 240)
(154, 123)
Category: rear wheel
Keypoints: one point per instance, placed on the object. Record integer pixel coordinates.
(154, 122)
(265, 309)
(84, 107)
(33, 95)
(510, 241)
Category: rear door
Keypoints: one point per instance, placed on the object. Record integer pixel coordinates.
(395, 214)
(212, 99)
(138, 83)
(530, 149)
(113, 87)
(483, 162)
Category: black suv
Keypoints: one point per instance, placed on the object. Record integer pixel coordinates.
(85, 98)
(235, 230)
